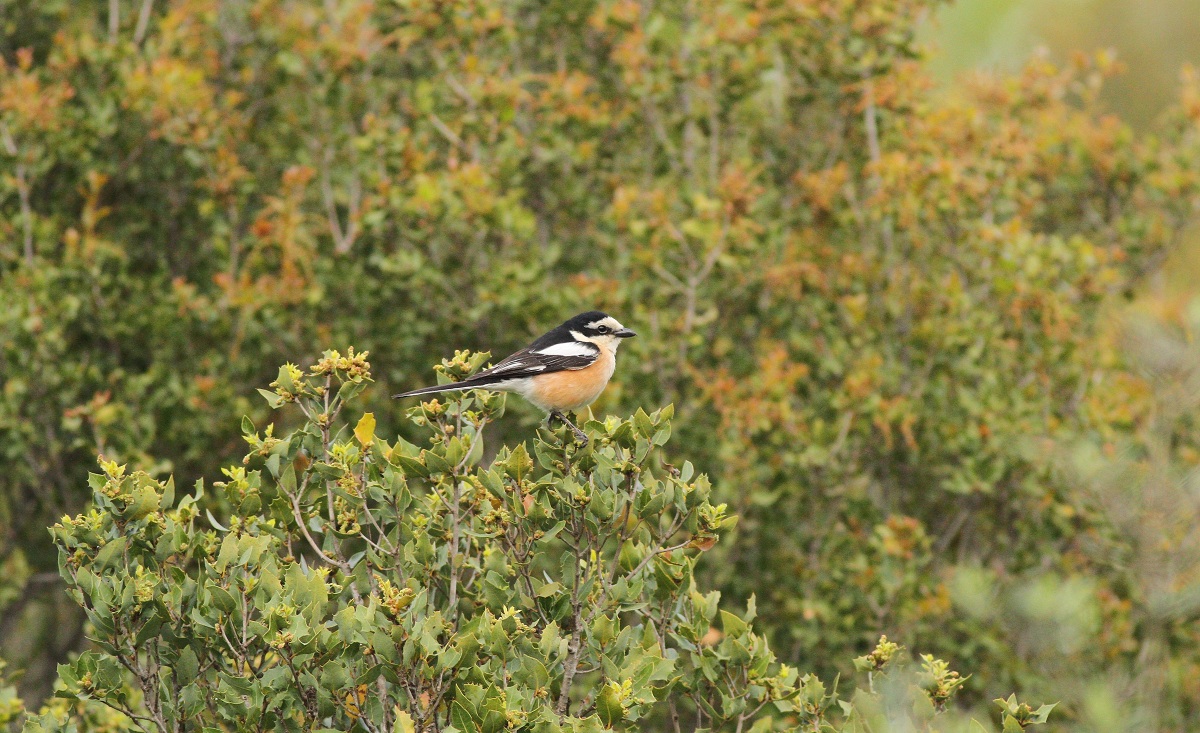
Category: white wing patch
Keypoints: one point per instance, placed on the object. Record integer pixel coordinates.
(518, 366)
(569, 348)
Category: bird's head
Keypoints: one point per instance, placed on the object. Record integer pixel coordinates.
(598, 328)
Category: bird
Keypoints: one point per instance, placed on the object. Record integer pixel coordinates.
(562, 371)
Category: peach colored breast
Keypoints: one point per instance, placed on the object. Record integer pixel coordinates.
(575, 388)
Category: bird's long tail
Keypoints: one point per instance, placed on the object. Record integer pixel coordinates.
(454, 387)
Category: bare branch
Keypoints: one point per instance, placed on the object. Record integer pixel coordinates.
(114, 20)
(143, 22)
(10, 147)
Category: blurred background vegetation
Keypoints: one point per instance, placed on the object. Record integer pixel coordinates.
(1153, 40)
(933, 331)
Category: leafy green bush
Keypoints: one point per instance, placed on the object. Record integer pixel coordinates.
(397, 586)
(358, 582)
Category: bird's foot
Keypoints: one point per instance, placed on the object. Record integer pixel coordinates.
(579, 434)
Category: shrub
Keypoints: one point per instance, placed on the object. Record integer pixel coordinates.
(364, 581)
(357, 582)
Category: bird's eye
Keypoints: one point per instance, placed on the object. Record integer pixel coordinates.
(603, 329)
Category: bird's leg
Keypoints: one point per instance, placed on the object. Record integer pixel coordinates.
(579, 434)
(583, 438)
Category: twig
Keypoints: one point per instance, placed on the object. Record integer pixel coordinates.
(114, 20)
(456, 519)
(457, 87)
(571, 664)
(10, 146)
(656, 553)
(448, 133)
(342, 239)
(311, 542)
(871, 123)
(143, 22)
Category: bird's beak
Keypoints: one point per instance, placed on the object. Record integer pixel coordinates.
(624, 333)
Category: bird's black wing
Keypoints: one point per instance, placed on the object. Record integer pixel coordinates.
(530, 362)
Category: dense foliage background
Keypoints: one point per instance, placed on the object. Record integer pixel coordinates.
(1153, 39)
(902, 330)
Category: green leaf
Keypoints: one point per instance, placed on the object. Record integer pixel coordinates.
(548, 590)
(213, 521)
(518, 465)
(436, 463)
(145, 500)
(168, 497)
(533, 673)
(641, 421)
(187, 665)
(222, 599)
(349, 390)
(1011, 725)
(493, 482)
(152, 623)
(686, 473)
(411, 466)
(732, 625)
(476, 452)
(1042, 713)
(272, 399)
(462, 719)
(110, 554)
(608, 705)
(623, 435)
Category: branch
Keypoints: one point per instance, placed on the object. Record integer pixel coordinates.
(311, 542)
(143, 22)
(342, 239)
(448, 133)
(872, 126)
(10, 146)
(571, 664)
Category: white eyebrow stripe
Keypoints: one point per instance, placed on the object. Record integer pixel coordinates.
(568, 348)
